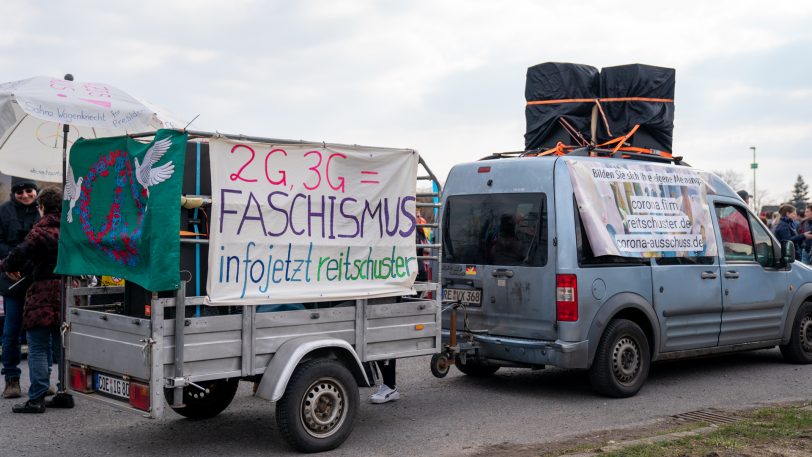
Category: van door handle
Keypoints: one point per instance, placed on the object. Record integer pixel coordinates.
(731, 274)
(708, 275)
(502, 273)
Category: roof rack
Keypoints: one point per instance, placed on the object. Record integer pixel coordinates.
(617, 148)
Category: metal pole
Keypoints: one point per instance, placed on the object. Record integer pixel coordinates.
(63, 399)
(754, 166)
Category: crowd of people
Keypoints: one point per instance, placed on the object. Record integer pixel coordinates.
(787, 225)
(29, 234)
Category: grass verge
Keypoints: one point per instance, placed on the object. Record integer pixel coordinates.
(768, 431)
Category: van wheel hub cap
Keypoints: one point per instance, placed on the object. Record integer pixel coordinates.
(323, 408)
(806, 333)
(626, 360)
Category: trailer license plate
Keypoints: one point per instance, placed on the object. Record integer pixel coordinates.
(112, 386)
(472, 296)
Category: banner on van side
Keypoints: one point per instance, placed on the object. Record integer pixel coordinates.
(642, 209)
(303, 223)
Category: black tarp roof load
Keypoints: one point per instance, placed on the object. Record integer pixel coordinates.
(557, 81)
(656, 119)
(630, 95)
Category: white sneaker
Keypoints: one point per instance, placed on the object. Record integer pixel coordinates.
(384, 394)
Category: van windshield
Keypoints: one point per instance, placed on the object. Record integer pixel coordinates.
(495, 229)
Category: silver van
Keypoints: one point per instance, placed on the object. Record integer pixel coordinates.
(609, 264)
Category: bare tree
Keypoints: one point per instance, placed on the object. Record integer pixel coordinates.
(734, 179)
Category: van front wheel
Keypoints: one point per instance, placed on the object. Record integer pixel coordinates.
(799, 348)
(622, 362)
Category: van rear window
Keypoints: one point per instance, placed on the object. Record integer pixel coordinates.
(495, 229)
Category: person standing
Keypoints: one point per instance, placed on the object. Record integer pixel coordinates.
(806, 227)
(17, 216)
(744, 195)
(41, 311)
(787, 228)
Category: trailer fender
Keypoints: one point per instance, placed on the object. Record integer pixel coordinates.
(287, 358)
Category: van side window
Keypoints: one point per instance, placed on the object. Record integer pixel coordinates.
(585, 255)
(765, 255)
(496, 229)
(735, 229)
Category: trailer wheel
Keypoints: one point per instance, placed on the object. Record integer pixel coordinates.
(208, 403)
(440, 365)
(475, 368)
(799, 348)
(318, 409)
(622, 361)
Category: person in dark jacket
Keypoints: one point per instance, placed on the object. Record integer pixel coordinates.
(787, 228)
(41, 313)
(806, 227)
(17, 216)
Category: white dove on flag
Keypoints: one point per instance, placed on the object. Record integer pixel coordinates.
(148, 176)
(72, 191)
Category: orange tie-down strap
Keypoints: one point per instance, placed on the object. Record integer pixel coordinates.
(599, 100)
(561, 149)
(187, 233)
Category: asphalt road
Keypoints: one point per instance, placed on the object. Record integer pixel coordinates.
(454, 416)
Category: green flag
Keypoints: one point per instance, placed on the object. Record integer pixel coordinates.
(121, 214)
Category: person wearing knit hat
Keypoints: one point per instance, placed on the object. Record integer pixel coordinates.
(17, 216)
(41, 312)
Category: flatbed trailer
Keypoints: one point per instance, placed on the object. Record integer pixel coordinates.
(121, 344)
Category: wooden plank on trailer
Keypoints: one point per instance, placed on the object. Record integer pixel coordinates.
(402, 348)
(107, 321)
(201, 346)
(401, 332)
(408, 308)
(305, 316)
(110, 354)
(206, 324)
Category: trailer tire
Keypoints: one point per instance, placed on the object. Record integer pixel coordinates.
(475, 368)
(622, 361)
(799, 348)
(205, 405)
(319, 406)
(440, 365)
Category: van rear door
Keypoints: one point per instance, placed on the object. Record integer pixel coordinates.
(495, 249)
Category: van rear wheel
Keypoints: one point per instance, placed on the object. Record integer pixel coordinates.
(622, 362)
(207, 403)
(475, 368)
(799, 348)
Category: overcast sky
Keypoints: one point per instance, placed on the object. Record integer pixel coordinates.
(443, 77)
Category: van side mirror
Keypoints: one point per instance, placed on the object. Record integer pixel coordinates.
(787, 252)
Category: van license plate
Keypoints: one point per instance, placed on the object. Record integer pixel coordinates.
(472, 296)
(112, 386)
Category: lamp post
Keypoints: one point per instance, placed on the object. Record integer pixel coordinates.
(754, 165)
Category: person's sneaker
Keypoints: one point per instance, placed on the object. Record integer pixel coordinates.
(384, 394)
(31, 406)
(12, 389)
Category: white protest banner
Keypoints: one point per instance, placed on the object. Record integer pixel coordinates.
(643, 209)
(301, 223)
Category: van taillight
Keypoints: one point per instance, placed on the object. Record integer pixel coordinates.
(566, 298)
(139, 396)
(80, 379)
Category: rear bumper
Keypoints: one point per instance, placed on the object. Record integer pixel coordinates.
(564, 354)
